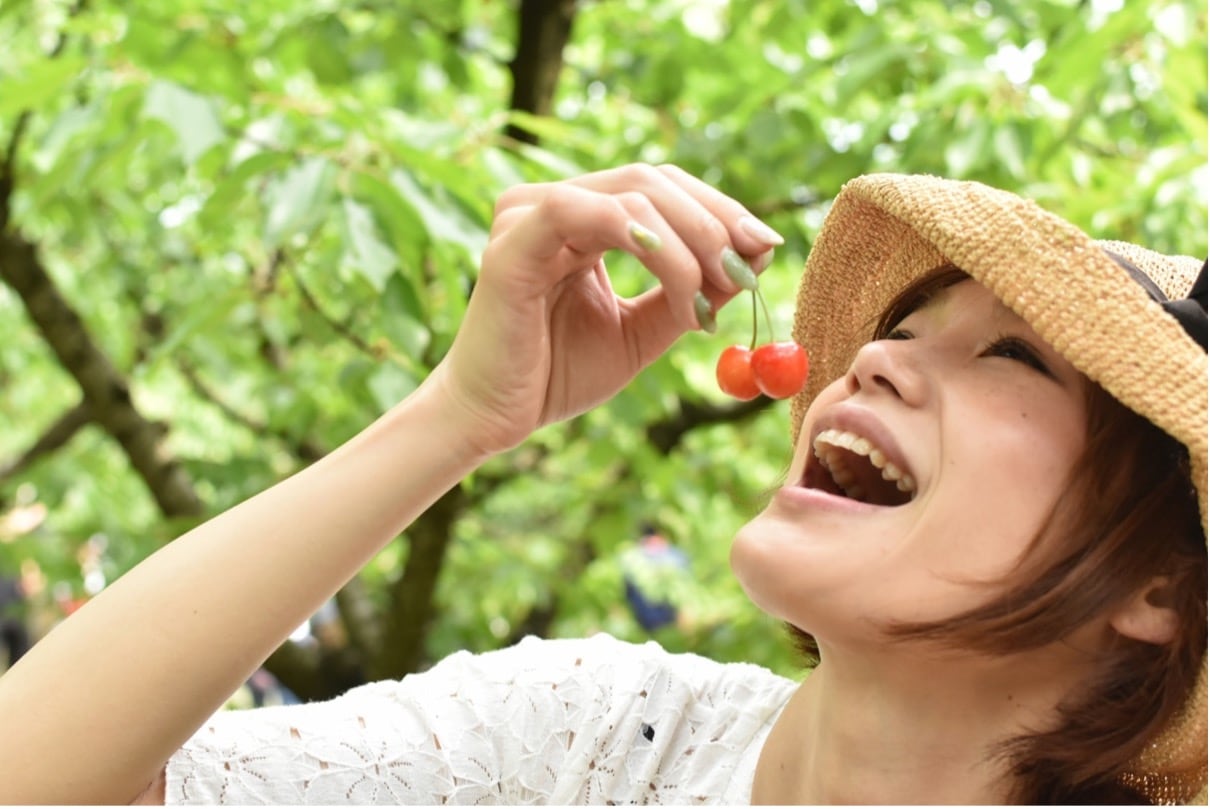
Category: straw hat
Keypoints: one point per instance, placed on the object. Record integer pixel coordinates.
(885, 230)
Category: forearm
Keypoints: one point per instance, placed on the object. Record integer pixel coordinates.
(95, 708)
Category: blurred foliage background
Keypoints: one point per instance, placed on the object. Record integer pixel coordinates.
(232, 234)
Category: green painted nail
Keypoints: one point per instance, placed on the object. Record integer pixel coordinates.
(738, 270)
(705, 313)
(647, 239)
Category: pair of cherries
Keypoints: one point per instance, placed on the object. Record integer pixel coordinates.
(776, 369)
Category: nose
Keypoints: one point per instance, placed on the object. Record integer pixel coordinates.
(888, 366)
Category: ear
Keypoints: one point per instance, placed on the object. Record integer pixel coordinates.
(1147, 616)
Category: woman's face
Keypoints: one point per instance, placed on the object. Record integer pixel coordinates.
(976, 421)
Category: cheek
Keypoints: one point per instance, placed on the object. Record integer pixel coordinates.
(1031, 435)
(1039, 447)
(1019, 465)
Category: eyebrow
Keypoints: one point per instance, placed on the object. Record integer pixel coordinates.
(935, 299)
(1061, 369)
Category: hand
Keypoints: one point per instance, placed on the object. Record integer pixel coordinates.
(545, 337)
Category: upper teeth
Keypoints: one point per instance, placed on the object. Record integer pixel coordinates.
(861, 446)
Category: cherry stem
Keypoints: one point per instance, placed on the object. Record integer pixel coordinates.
(752, 345)
(768, 320)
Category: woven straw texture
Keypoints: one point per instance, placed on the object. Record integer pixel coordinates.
(886, 230)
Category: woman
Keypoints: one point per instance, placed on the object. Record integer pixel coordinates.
(980, 413)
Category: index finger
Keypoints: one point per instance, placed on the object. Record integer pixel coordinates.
(719, 230)
(749, 234)
(566, 228)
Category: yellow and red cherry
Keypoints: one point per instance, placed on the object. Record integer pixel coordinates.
(735, 375)
(780, 369)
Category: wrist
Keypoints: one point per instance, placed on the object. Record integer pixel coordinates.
(436, 418)
(475, 430)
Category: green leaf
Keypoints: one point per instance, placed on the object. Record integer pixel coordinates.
(364, 251)
(389, 384)
(230, 190)
(967, 150)
(37, 83)
(870, 65)
(298, 200)
(401, 224)
(550, 129)
(554, 165)
(403, 318)
(68, 125)
(1007, 143)
(214, 316)
(328, 51)
(189, 115)
(443, 220)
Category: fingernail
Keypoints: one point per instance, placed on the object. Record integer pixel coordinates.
(738, 270)
(760, 231)
(762, 262)
(647, 239)
(705, 313)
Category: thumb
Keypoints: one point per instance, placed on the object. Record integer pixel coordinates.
(649, 326)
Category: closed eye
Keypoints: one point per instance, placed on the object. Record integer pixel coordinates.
(1008, 347)
(1014, 348)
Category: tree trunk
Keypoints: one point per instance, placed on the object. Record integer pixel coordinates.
(402, 649)
(543, 28)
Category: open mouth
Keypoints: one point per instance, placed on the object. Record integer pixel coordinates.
(849, 465)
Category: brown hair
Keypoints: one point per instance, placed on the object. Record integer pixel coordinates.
(1130, 514)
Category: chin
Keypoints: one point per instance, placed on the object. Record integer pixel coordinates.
(804, 580)
(767, 563)
(750, 560)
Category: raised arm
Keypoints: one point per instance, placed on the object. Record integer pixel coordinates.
(94, 710)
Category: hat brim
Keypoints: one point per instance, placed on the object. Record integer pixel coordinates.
(884, 231)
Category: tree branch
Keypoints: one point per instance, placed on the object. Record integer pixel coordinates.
(340, 328)
(305, 449)
(58, 434)
(665, 434)
(8, 169)
(795, 202)
(106, 392)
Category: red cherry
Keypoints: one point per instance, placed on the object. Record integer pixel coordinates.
(734, 373)
(780, 368)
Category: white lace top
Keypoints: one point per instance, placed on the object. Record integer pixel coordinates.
(594, 721)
